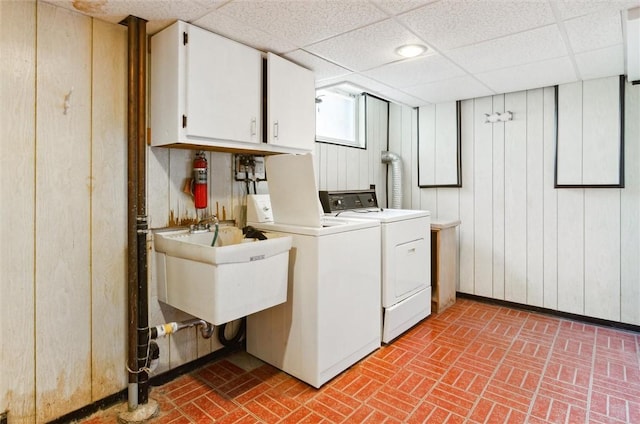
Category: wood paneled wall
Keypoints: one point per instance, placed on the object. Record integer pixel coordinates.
(521, 240)
(63, 212)
(63, 238)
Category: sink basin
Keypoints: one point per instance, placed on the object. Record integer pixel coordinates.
(223, 283)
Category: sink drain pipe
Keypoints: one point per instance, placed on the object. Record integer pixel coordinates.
(206, 329)
(137, 227)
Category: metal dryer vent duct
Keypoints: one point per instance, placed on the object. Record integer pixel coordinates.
(396, 177)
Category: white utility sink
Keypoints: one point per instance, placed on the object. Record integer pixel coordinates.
(223, 283)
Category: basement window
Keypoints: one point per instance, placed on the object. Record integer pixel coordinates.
(340, 116)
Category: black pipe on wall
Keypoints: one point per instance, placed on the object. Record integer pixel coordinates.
(137, 227)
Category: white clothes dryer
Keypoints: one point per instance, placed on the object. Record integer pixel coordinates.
(406, 256)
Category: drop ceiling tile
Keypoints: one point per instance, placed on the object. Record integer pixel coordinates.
(459, 88)
(594, 31)
(517, 49)
(165, 11)
(245, 34)
(303, 22)
(573, 8)
(399, 6)
(601, 63)
(320, 67)
(417, 71)
(449, 24)
(373, 87)
(367, 47)
(532, 75)
(397, 96)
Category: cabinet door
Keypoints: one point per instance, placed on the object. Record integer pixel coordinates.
(223, 88)
(291, 115)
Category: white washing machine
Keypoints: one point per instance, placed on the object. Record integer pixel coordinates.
(331, 318)
(406, 256)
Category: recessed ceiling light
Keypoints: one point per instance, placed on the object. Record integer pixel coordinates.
(411, 50)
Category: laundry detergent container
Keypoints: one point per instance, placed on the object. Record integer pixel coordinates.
(223, 283)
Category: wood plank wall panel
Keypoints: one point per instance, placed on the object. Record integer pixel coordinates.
(108, 216)
(571, 251)
(570, 132)
(498, 196)
(550, 202)
(467, 225)
(427, 130)
(17, 191)
(63, 186)
(602, 253)
(630, 212)
(483, 205)
(182, 345)
(401, 124)
(158, 211)
(515, 196)
(601, 131)
(534, 281)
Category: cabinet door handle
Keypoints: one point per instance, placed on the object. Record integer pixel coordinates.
(253, 126)
(275, 129)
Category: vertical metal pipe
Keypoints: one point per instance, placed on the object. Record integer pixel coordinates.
(132, 212)
(143, 301)
(136, 213)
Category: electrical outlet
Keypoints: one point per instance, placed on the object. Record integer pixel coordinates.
(249, 168)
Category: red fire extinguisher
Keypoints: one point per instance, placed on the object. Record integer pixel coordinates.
(200, 181)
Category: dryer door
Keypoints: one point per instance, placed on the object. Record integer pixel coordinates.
(411, 269)
(406, 259)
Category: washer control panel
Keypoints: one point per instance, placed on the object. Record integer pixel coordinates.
(338, 201)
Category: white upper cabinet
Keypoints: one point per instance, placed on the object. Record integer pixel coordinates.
(223, 88)
(207, 91)
(291, 118)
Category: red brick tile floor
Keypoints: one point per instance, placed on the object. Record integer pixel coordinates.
(473, 363)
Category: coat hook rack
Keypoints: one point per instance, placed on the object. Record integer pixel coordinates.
(498, 117)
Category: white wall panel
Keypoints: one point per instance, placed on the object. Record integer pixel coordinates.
(108, 217)
(448, 204)
(601, 131)
(427, 152)
(589, 132)
(569, 150)
(498, 130)
(630, 212)
(182, 345)
(571, 250)
(467, 225)
(158, 211)
(63, 189)
(515, 193)
(17, 191)
(535, 198)
(483, 203)
(602, 253)
(550, 203)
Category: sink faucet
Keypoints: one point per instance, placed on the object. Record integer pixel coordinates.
(204, 224)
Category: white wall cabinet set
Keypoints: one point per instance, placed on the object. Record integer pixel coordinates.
(207, 92)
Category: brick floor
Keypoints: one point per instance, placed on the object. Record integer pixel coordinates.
(474, 363)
